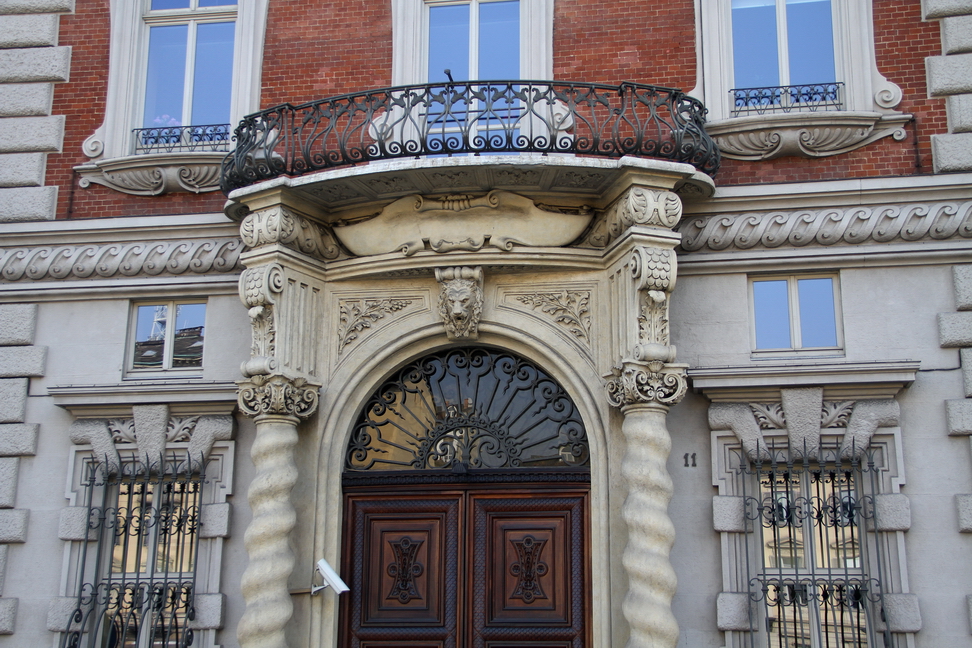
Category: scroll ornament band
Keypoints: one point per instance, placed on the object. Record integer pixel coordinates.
(280, 225)
(636, 382)
(881, 224)
(267, 395)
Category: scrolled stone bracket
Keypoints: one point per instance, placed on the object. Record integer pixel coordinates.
(277, 395)
(258, 287)
(637, 206)
(638, 382)
(279, 225)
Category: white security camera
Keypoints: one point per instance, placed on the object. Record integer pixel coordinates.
(330, 579)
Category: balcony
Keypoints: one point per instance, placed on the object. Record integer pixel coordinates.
(479, 118)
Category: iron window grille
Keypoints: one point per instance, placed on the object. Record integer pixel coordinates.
(813, 559)
(812, 97)
(137, 568)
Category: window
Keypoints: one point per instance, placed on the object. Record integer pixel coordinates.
(137, 569)
(795, 312)
(168, 336)
(814, 561)
(189, 76)
(782, 56)
(476, 39)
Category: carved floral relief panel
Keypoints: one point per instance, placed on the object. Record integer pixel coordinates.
(567, 308)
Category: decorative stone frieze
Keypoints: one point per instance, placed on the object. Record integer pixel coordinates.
(460, 301)
(153, 175)
(831, 226)
(278, 395)
(280, 225)
(358, 315)
(638, 206)
(810, 134)
(143, 258)
(499, 219)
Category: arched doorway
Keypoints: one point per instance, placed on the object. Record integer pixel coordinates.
(467, 486)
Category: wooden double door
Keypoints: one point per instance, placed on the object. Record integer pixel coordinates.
(447, 566)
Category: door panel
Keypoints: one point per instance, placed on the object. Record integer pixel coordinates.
(466, 568)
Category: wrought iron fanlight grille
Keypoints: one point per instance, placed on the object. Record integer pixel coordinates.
(468, 408)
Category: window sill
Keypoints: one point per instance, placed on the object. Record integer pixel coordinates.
(803, 134)
(155, 174)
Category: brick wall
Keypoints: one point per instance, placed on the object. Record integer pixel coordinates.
(313, 52)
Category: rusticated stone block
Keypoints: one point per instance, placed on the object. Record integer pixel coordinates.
(9, 467)
(959, 111)
(209, 612)
(17, 323)
(36, 6)
(31, 134)
(955, 329)
(18, 439)
(13, 525)
(957, 34)
(8, 614)
(28, 30)
(26, 99)
(3, 566)
(902, 613)
(732, 611)
(22, 361)
(73, 523)
(22, 169)
(215, 520)
(965, 355)
(34, 64)
(964, 505)
(13, 399)
(962, 283)
(958, 417)
(24, 204)
(952, 153)
(893, 512)
(729, 514)
(59, 612)
(941, 8)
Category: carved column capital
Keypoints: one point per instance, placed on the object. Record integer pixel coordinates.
(263, 395)
(280, 225)
(653, 382)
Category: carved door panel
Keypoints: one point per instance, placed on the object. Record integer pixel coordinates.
(466, 569)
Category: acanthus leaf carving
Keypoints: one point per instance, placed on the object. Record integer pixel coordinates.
(281, 225)
(460, 301)
(570, 309)
(638, 206)
(177, 429)
(638, 382)
(275, 394)
(356, 315)
(769, 416)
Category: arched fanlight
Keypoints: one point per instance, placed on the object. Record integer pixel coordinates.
(468, 408)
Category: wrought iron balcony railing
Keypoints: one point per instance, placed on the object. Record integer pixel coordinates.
(473, 117)
(182, 139)
(794, 98)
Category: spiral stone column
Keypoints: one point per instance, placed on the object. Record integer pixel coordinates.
(277, 403)
(643, 386)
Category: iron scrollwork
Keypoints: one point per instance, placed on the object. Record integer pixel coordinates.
(470, 117)
(468, 408)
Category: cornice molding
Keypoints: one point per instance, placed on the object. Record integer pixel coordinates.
(830, 226)
(153, 175)
(141, 258)
(809, 134)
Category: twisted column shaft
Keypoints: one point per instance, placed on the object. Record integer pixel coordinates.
(651, 579)
(267, 539)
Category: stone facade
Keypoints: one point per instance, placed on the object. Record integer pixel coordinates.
(630, 280)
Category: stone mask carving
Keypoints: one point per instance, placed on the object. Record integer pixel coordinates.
(461, 300)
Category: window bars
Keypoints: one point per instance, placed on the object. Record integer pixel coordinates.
(813, 559)
(784, 99)
(136, 569)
